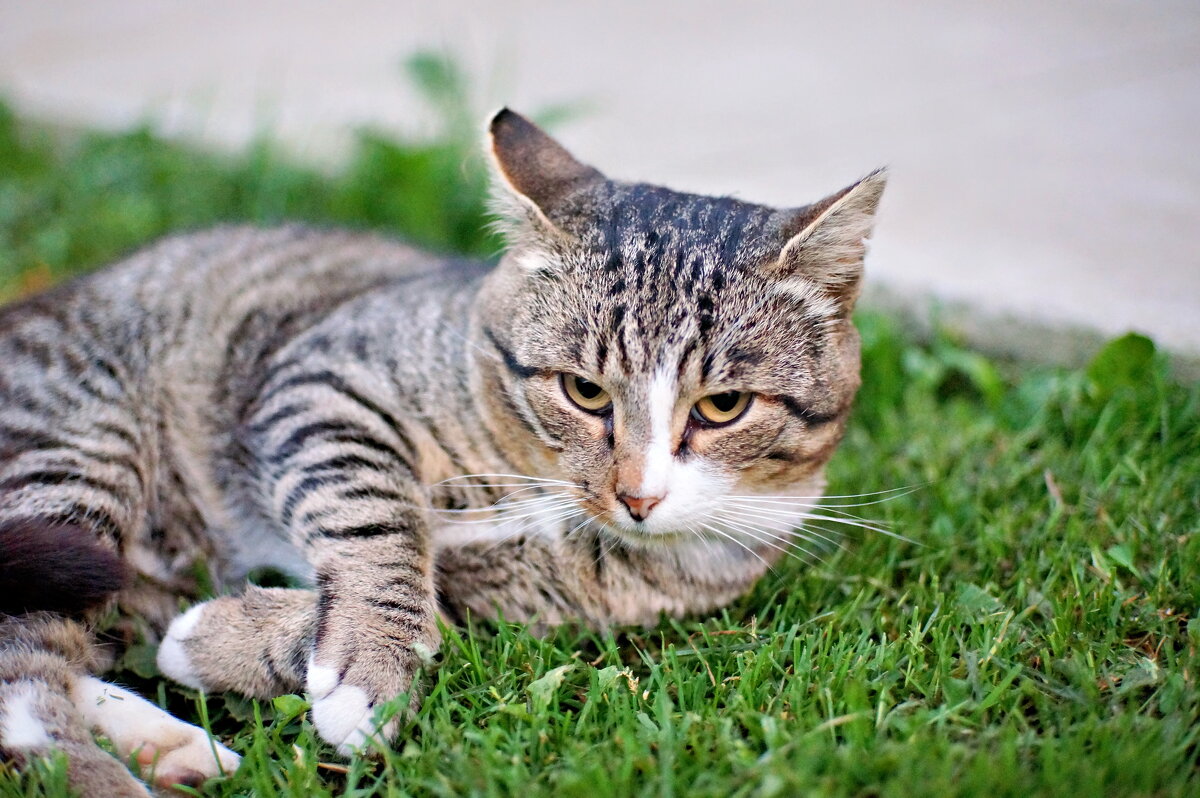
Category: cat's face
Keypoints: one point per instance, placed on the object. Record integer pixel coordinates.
(675, 353)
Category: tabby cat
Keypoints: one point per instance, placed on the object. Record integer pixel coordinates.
(587, 431)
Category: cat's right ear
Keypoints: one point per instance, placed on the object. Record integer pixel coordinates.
(537, 171)
(826, 242)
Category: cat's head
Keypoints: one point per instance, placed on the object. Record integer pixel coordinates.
(670, 353)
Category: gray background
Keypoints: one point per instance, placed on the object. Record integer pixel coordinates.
(1045, 165)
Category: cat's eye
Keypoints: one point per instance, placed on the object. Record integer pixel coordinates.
(721, 408)
(586, 394)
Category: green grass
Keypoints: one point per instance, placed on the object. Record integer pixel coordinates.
(1036, 638)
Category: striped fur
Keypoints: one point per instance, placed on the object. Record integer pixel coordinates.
(319, 401)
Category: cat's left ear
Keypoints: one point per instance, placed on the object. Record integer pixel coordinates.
(826, 241)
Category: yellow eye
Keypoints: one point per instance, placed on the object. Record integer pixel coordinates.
(586, 394)
(721, 408)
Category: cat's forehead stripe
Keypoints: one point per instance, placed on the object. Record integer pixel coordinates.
(643, 228)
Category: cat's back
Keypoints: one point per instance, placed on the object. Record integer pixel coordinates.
(124, 387)
(218, 298)
(172, 341)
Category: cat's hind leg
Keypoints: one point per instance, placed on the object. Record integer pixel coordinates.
(172, 751)
(38, 718)
(41, 656)
(49, 703)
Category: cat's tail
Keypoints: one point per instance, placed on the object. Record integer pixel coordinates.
(48, 572)
(57, 567)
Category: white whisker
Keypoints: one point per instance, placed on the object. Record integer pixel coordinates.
(825, 533)
(613, 542)
(522, 485)
(528, 511)
(445, 325)
(587, 519)
(833, 519)
(544, 480)
(796, 502)
(498, 506)
(889, 495)
(708, 544)
(845, 518)
(788, 543)
(871, 527)
(734, 539)
(546, 515)
(789, 540)
(795, 527)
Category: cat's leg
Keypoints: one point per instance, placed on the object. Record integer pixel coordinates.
(262, 643)
(525, 580)
(589, 580)
(172, 751)
(376, 626)
(257, 644)
(72, 493)
(41, 657)
(49, 703)
(338, 472)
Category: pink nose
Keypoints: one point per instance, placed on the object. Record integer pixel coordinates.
(639, 506)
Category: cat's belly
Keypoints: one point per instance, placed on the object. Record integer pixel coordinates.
(249, 551)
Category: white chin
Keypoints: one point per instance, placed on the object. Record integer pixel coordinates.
(645, 535)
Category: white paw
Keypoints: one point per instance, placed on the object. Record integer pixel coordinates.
(20, 728)
(190, 762)
(174, 751)
(321, 679)
(173, 659)
(343, 714)
(343, 719)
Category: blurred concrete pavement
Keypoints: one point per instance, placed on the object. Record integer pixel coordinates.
(1045, 156)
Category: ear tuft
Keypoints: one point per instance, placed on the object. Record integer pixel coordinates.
(534, 166)
(828, 240)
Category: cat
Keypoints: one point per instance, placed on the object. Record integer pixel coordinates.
(584, 432)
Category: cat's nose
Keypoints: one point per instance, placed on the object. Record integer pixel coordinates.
(639, 506)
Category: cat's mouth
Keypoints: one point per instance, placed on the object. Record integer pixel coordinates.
(613, 520)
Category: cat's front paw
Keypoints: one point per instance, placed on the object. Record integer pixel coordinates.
(175, 653)
(252, 644)
(345, 703)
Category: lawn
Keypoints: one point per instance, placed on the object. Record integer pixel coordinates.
(1032, 636)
